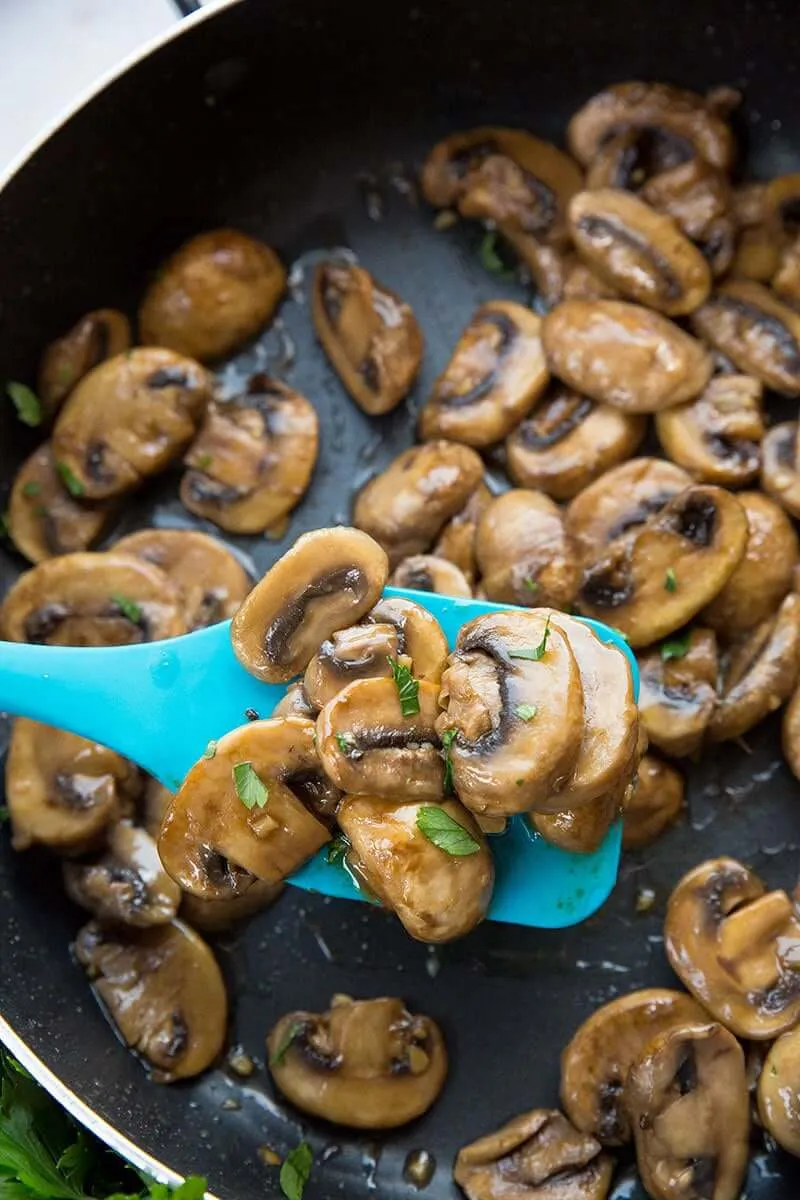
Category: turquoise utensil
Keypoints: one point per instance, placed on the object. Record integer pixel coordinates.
(160, 703)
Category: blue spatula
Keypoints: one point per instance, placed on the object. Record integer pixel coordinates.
(160, 703)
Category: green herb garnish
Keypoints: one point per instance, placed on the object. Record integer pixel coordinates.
(675, 647)
(337, 850)
(4, 525)
(202, 461)
(345, 742)
(671, 580)
(447, 739)
(26, 402)
(490, 259)
(31, 489)
(445, 832)
(128, 608)
(407, 688)
(252, 792)
(526, 712)
(295, 1171)
(210, 750)
(535, 653)
(70, 479)
(292, 1031)
(530, 584)
(5, 815)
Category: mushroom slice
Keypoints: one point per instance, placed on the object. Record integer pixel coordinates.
(780, 470)
(164, 992)
(624, 355)
(438, 891)
(568, 442)
(791, 734)
(127, 885)
(211, 580)
(369, 334)
(760, 673)
(419, 635)
(253, 459)
(494, 378)
(656, 580)
(735, 947)
(678, 691)
(582, 283)
(98, 335)
(513, 714)
(216, 291)
(780, 200)
(524, 553)
(367, 744)
(631, 157)
(43, 518)
(748, 324)
(295, 703)
(596, 1062)
(582, 830)
(365, 1064)
(157, 800)
(359, 652)
(717, 437)
(406, 505)
(218, 916)
(537, 1156)
(328, 580)
(758, 254)
(63, 791)
(92, 600)
(779, 1091)
(456, 542)
(428, 573)
(128, 419)
(653, 804)
(689, 1109)
(696, 195)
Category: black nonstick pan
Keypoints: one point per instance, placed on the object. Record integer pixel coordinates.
(302, 121)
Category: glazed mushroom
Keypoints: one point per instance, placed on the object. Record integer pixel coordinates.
(428, 864)
(328, 580)
(678, 691)
(759, 334)
(653, 804)
(581, 830)
(295, 703)
(735, 947)
(539, 1155)
(690, 1112)
(369, 334)
(252, 461)
(791, 734)
(98, 335)
(780, 471)
(364, 1064)
(164, 992)
(92, 600)
(157, 799)
(43, 518)
(216, 291)
(218, 916)
(495, 376)
(582, 283)
(779, 1091)
(568, 442)
(524, 553)
(63, 791)
(696, 195)
(405, 507)
(127, 885)
(238, 815)
(456, 542)
(127, 420)
(717, 437)
(596, 1062)
(211, 580)
(419, 634)
(429, 573)
(359, 652)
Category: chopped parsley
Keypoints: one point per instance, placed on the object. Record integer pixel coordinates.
(129, 608)
(407, 688)
(526, 712)
(290, 1034)
(671, 580)
(70, 479)
(345, 742)
(26, 402)
(296, 1170)
(675, 647)
(535, 653)
(490, 258)
(337, 850)
(445, 832)
(210, 750)
(249, 788)
(202, 461)
(448, 737)
(530, 584)
(31, 489)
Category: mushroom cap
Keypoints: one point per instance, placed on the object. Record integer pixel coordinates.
(43, 518)
(98, 335)
(456, 542)
(524, 553)
(653, 804)
(420, 635)
(760, 334)
(695, 194)
(581, 830)
(328, 580)
(217, 916)
(779, 1091)
(428, 573)
(678, 696)
(790, 739)
(127, 885)
(358, 652)
(295, 703)
(365, 1064)
(164, 992)
(780, 467)
(717, 437)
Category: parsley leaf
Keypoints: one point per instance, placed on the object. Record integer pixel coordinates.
(69, 479)
(296, 1170)
(407, 688)
(292, 1031)
(490, 258)
(675, 647)
(448, 737)
(535, 653)
(26, 402)
(128, 608)
(671, 580)
(251, 790)
(445, 832)
(202, 461)
(337, 850)
(527, 712)
(32, 488)
(210, 750)
(345, 742)
(530, 584)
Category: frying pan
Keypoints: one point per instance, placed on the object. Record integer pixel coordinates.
(300, 121)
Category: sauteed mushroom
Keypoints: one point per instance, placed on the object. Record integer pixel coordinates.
(456, 542)
(328, 580)
(791, 734)
(524, 554)
(163, 990)
(653, 804)
(696, 195)
(419, 634)
(369, 334)
(748, 324)
(43, 518)
(582, 830)
(127, 885)
(495, 376)
(252, 461)
(735, 947)
(215, 292)
(780, 471)
(429, 573)
(779, 1091)
(366, 1064)
(359, 652)
(678, 691)
(437, 893)
(717, 437)
(582, 283)
(217, 916)
(98, 335)
(157, 800)
(295, 703)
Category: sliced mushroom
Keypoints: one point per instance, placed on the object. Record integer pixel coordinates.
(164, 992)
(696, 195)
(365, 1064)
(428, 573)
(736, 946)
(631, 157)
(717, 437)
(436, 894)
(524, 553)
(690, 1112)
(127, 885)
(252, 461)
(217, 916)
(98, 335)
(537, 1156)
(419, 635)
(624, 355)
(215, 292)
(359, 652)
(758, 254)
(548, 262)
(596, 1062)
(369, 334)
(92, 600)
(653, 582)
(568, 442)
(157, 800)
(791, 734)
(780, 469)
(582, 283)
(211, 580)
(63, 791)
(513, 674)
(295, 703)
(43, 518)
(786, 280)
(581, 830)
(406, 505)
(749, 325)
(495, 376)
(781, 203)
(678, 691)
(128, 419)
(779, 1091)
(328, 580)
(653, 804)
(456, 542)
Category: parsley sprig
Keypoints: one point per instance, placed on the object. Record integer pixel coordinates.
(251, 790)
(407, 688)
(445, 832)
(534, 653)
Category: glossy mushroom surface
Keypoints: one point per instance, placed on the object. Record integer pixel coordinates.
(358, 652)
(456, 542)
(98, 335)
(780, 472)
(419, 634)
(43, 518)
(127, 885)
(429, 573)
(579, 830)
(678, 691)
(653, 804)
(779, 1091)
(219, 916)
(524, 553)
(717, 437)
(756, 331)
